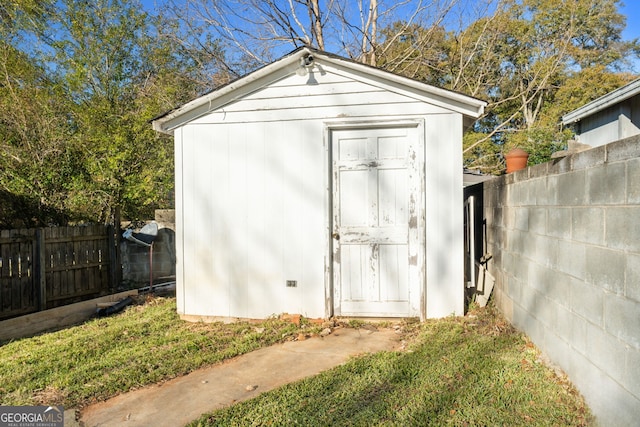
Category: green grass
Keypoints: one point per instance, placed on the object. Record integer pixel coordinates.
(145, 344)
(473, 371)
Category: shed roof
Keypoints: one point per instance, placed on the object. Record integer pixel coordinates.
(612, 98)
(468, 106)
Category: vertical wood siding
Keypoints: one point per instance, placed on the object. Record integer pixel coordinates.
(253, 193)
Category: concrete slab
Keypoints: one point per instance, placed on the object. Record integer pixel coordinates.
(181, 400)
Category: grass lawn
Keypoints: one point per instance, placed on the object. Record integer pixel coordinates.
(145, 344)
(471, 371)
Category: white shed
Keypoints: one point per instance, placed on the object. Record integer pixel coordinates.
(323, 187)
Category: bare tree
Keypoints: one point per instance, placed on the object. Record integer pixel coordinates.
(261, 30)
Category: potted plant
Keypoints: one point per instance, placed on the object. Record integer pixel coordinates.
(516, 159)
(515, 151)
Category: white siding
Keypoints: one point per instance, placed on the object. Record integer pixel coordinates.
(335, 96)
(253, 218)
(444, 216)
(252, 193)
(617, 122)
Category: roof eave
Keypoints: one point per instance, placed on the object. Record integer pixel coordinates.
(602, 103)
(160, 122)
(466, 105)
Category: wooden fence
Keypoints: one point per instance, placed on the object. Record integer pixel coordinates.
(48, 267)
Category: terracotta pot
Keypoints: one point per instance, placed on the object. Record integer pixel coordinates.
(516, 159)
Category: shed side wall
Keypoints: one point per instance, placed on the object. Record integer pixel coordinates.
(444, 216)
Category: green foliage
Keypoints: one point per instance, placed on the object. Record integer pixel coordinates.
(532, 60)
(79, 83)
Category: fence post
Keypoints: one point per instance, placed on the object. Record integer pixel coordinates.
(40, 278)
(115, 261)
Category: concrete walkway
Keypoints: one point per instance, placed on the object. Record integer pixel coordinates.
(182, 400)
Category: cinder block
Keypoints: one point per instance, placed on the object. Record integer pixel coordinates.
(572, 189)
(559, 166)
(538, 220)
(605, 268)
(524, 322)
(579, 333)
(530, 299)
(606, 185)
(539, 170)
(564, 323)
(587, 225)
(632, 278)
(509, 179)
(520, 175)
(623, 228)
(540, 192)
(509, 217)
(545, 312)
(529, 187)
(631, 379)
(539, 277)
(556, 347)
(621, 319)
(606, 352)
(628, 148)
(633, 181)
(513, 287)
(543, 250)
(559, 288)
(506, 307)
(516, 241)
(514, 194)
(587, 301)
(552, 190)
(611, 404)
(500, 236)
(521, 218)
(529, 242)
(559, 222)
(588, 159)
(572, 259)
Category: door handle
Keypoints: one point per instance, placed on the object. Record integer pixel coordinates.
(336, 236)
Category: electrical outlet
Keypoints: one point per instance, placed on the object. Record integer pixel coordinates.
(292, 283)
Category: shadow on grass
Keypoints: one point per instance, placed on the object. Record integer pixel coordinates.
(459, 371)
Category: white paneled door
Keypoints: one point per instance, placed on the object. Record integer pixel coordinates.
(378, 249)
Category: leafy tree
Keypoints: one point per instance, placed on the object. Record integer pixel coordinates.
(518, 58)
(34, 159)
(80, 81)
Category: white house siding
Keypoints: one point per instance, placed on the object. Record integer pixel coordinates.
(252, 196)
(265, 224)
(612, 124)
(444, 217)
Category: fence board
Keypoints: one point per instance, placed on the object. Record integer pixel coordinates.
(46, 268)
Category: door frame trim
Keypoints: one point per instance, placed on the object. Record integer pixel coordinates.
(360, 124)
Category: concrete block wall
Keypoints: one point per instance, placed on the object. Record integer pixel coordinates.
(565, 240)
(135, 258)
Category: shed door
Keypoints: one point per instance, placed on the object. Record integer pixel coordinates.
(377, 249)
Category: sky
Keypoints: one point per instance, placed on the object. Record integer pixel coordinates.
(629, 8)
(632, 11)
